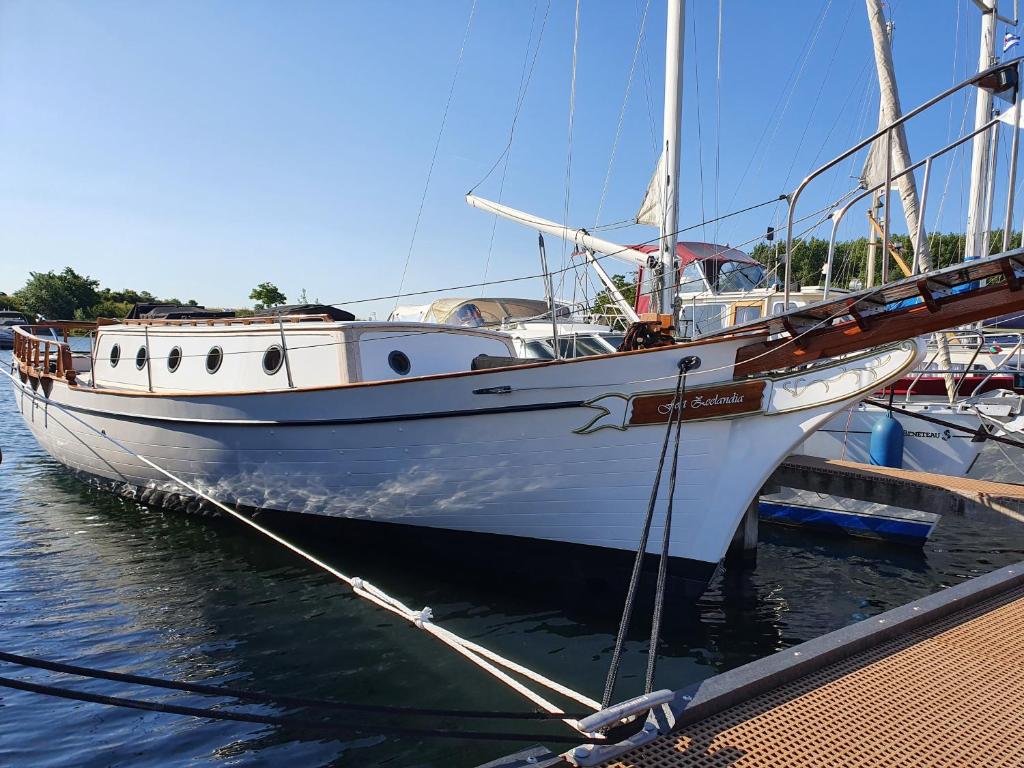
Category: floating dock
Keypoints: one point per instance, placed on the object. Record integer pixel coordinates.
(943, 494)
(937, 682)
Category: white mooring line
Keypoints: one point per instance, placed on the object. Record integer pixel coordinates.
(484, 658)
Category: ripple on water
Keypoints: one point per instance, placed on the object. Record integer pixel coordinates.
(105, 582)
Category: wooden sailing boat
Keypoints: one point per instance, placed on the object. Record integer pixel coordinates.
(436, 427)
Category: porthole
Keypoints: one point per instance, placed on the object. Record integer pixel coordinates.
(213, 359)
(140, 358)
(115, 355)
(174, 359)
(273, 358)
(399, 362)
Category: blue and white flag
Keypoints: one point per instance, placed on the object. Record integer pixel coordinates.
(1010, 40)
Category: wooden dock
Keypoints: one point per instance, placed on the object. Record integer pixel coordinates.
(937, 682)
(906, 488)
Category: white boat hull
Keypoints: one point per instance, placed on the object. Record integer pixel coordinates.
(553, 459)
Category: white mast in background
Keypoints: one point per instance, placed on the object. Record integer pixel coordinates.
(981, 147)
(667, 283)
(889, 112)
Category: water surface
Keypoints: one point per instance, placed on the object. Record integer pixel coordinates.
(104, 582)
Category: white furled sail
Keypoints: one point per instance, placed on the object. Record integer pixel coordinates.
(652, 208)
(1009, 116)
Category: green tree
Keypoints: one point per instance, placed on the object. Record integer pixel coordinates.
(267, 295)
(603, 302)
(10, 303)
(57, 295)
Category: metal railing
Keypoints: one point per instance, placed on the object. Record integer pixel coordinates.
(990, 78)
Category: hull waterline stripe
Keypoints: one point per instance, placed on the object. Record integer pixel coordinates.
(498, 410)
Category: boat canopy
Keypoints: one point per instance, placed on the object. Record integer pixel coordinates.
(692, 251)
(477, 311)
(707, 268)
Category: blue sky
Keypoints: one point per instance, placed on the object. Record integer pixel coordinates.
(198, 148)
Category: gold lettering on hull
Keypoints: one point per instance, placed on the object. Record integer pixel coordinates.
(710, 402)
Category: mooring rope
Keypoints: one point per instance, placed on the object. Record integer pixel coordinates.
(268, 698)
(641, 549)
(422, 619)
(685, 365)
(296, 723)
(943, 423)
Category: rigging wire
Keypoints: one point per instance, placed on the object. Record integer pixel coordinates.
(523, 278)
(520, 95)
(700, 139)
(718, 111)
(784, 100)
(568, 158)
(519, 105)
(622, 112)
(437, 146)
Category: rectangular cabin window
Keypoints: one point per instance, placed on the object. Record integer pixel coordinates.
(778, 310)
(701, 318)
(747, 314)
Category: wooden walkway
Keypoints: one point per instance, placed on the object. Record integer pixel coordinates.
(899, 487)
(938, 682)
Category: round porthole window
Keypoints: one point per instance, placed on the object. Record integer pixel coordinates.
(272, 360)
(399, 362)
(213, 359)
(115, 355)
(174, 359)
(140, 358)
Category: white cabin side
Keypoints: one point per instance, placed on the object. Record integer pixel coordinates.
(233, 357)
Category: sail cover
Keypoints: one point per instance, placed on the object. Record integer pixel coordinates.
(652, 209)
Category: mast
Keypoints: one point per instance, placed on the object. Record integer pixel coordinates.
(980, 149)
(667, 282)
(889, 112)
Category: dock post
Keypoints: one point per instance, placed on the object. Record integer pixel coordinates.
(743, 549)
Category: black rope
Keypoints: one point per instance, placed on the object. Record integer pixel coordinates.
(266, 698)
(288, 722)
(634, 579)
(685, 366)
(982, 434)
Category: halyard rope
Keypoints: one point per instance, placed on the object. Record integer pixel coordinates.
(422, 619)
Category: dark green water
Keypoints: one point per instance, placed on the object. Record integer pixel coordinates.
(103, 582)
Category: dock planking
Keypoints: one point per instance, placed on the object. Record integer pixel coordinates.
(935, 682)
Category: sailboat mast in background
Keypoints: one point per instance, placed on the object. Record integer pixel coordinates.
(667, 281)
(981, 145)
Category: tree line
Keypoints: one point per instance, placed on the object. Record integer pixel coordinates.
(849, 263)
(851, 256)
(67, 295)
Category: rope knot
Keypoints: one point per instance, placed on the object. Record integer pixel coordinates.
(357, 583)
(425, 616)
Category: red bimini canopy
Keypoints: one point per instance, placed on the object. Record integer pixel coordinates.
(689, 252)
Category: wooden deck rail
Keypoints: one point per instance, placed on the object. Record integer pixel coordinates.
(42, 357)
(253, 320)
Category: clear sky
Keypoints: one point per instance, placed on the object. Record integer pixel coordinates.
(197, 148)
